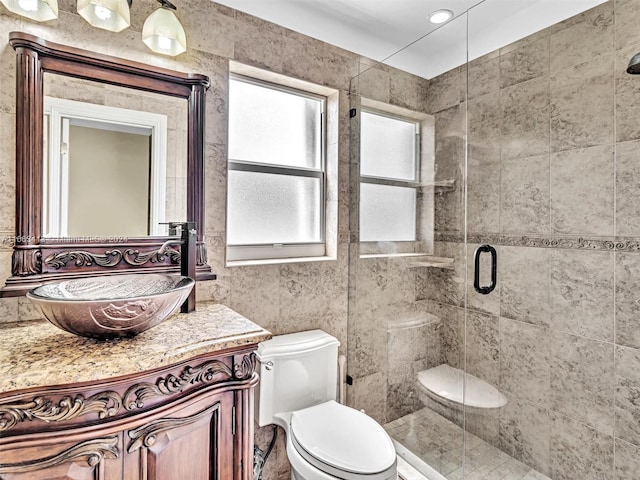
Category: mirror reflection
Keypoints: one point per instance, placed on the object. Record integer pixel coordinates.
(114, 160)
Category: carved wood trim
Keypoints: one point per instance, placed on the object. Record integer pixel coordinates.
(105, 404)
(134, 397)
(26, 262)
(91, 451)
(111, 258)
(245, 369)
(146, 435)
(110, 403)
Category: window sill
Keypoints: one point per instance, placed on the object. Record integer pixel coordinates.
(414, 260)
(277, 261)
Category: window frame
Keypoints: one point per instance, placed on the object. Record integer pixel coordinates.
(275, 251)
(414, 184)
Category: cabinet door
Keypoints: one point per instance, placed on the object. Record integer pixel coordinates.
(191, 441)
(54, 457)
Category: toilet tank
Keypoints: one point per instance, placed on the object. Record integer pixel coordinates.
(297, 370)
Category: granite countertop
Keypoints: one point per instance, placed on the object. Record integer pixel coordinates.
(37, 354)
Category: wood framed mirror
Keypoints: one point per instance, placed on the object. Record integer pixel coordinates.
(36, 258)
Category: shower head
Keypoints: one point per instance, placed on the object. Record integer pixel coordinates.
(634, 65)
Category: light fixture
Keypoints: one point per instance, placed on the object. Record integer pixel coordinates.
(440, 16)
(112, 15)
(38, 10)
(162, 31)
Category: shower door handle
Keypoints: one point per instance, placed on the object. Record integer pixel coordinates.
(494, 270)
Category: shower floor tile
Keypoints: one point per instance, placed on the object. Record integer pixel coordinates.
(438, 442)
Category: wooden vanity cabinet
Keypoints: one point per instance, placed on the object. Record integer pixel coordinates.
(190, 421)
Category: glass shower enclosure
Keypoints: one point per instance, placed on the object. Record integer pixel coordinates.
(493, 260)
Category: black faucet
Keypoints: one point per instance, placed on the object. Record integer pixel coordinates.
(187, 242)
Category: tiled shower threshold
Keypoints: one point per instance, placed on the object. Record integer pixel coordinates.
(432, 445)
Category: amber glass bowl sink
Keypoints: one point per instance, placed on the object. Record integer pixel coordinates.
(112, 306)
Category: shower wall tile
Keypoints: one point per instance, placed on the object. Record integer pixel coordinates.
(582, 72)
(582, 293)
(367, 343)
(483, 424)
(369, 394)
(447, 90)
(582, 191)
(525, 118)
(627, 460)
(484, 75)
(531, 60)
(450, 132)
(627, 299)
(578, 451)
(627, 18)
(485, 123)
(582, 379)
(524, 191)
(449, 210)
(627, 394)
(406, 339)
(443, 285)
(409, 91)
(567, 43)
(627, 188)
(524, 284)
(449, 328)
(375, 83)
(482, 347)
(524, 361)
(483, 192)
(576, 123)
(524, 432)
(627, 96)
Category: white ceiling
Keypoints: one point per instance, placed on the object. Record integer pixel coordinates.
(380, 29)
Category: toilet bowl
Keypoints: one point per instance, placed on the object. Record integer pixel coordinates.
(325, 440)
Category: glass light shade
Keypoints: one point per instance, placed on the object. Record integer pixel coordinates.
(38, 10)
(112, 15)
(163, 33)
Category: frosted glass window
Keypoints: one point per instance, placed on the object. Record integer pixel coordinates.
(387, 147)
(265, 208)
(387, 213)
(273, 126)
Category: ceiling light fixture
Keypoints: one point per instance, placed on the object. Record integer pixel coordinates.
(440, 16)
(38, 10)
(112, 15)
(162, 31)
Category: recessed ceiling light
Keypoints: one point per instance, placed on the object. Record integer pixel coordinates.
(440, 16)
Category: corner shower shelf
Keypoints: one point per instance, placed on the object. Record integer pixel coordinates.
(414, 260)
(442, 186)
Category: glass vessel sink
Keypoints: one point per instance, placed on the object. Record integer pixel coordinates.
(112, 306)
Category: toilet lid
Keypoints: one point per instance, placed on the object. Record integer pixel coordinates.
(343, 441)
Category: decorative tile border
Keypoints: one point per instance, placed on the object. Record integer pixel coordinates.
(618, 244)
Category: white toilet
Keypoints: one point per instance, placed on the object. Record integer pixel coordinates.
(325, 440)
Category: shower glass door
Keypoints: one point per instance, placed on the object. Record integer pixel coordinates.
(552, 144)
(408, 275)
(493, 305)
